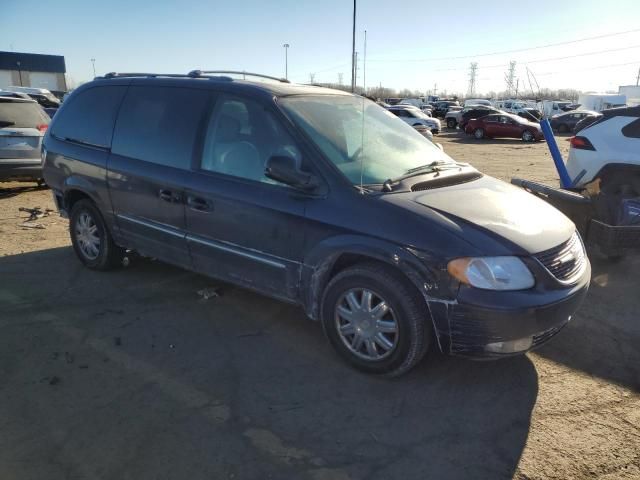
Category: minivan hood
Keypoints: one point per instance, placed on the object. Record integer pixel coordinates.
(503, 209)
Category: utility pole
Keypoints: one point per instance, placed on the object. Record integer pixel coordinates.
(286, 61)
(93, 63)
(340, 78)
(435, 89)
(638, 78)
(473, 71)
(353, 51)
(312, 77)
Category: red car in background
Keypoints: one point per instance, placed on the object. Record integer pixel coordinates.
(504, 125)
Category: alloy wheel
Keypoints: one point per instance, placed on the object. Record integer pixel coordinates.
(87, 236)
(366, 324)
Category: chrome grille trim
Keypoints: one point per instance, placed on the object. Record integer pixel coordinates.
(567, 261)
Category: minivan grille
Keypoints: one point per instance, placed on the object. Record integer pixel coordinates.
(446, 181)
(566, 261)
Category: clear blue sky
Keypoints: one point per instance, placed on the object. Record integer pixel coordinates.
(404, 38)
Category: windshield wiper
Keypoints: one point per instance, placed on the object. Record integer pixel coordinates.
(436, 166)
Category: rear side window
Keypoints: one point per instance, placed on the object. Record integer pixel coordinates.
(159, 124)
(88, 116)
(21, 114)
(632, 130)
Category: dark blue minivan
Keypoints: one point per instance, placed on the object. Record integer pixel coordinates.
(319, 198)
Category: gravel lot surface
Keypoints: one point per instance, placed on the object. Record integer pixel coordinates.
(133, 375)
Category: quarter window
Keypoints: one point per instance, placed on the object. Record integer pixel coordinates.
(159, 124)
(241, 136)
(632, 130)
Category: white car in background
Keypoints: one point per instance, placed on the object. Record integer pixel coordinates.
(414, 116)
(608, 149)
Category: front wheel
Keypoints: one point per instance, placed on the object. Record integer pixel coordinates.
(451, 123)
(527, 136)
(375, 319)
(91, 239)
(478, 133)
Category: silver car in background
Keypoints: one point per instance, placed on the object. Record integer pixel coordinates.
(414, 116)
(22, 126)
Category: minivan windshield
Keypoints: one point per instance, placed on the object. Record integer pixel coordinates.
(361, 138)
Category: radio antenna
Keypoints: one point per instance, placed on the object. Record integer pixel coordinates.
(364, 92)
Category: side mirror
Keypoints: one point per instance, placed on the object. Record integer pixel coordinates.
(286, 170)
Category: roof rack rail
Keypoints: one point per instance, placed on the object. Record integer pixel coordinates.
(201, 73)
(139, 74)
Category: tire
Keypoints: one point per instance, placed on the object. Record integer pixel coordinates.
(527, 136)
(478, 133)
(451, 123)
(407, 313)
(562, 128)
(91, 239)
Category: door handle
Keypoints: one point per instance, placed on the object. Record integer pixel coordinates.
(168, 196)
(199, 204)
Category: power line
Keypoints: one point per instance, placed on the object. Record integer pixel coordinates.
(542, 60)
(538, 47)
(502, 65)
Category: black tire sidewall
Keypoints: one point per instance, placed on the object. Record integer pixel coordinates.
(102, 260)
(397, 300)
(533, 137)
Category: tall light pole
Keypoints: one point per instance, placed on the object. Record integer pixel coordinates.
(93, 62)
(286, 61)
(353, 51)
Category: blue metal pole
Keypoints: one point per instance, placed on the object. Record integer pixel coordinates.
(565, 179)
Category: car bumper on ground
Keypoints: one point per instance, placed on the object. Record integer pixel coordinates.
(20, 169)
(494, 324)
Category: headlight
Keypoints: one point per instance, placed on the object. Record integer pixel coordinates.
(492, 273)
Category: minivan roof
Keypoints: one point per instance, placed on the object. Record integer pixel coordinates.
(277, 87)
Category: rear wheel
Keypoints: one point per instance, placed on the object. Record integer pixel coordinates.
(478, 133)
(527, 136)
(451, 123)
(91, 239)
(375, 319)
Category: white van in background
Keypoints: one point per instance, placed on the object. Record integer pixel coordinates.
(549, 108)
(601, 101)
(416, 102)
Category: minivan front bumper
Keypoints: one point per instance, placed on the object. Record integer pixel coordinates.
(485, 323)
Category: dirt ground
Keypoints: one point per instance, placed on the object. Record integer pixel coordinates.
(133, 375)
